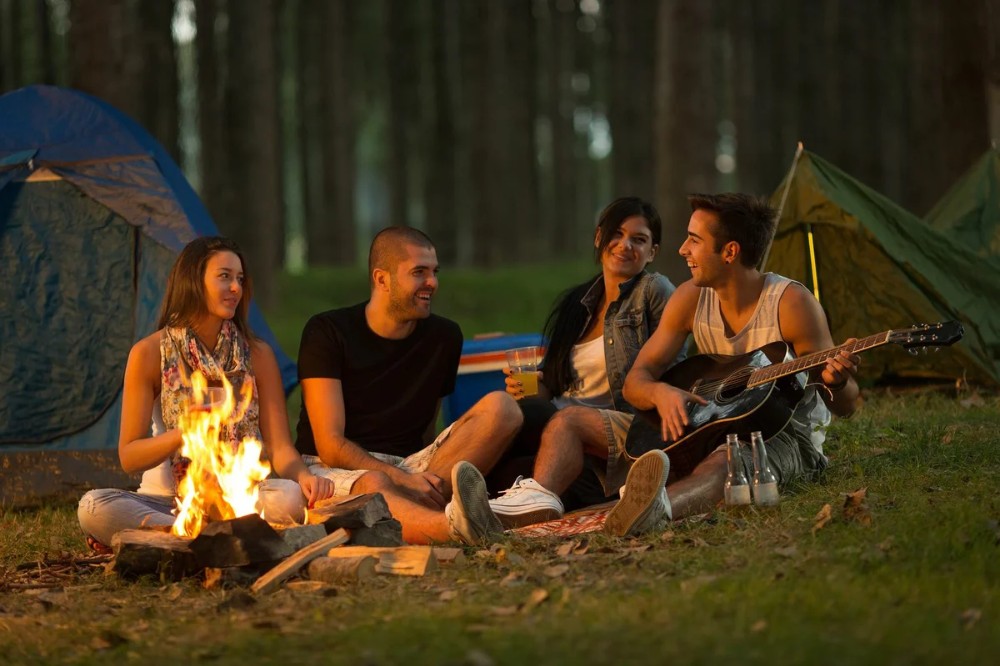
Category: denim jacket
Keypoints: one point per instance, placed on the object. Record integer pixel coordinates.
(628, 323)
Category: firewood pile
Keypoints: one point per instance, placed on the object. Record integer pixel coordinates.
(345, 540)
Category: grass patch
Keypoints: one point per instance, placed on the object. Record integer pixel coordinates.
(919, 584)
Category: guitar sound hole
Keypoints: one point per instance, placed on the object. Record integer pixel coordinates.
(734, 385)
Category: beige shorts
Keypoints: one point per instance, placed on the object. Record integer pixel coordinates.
(344, 479)
(612, 476)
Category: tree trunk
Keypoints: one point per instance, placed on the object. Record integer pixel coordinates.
(440, 184)
(560, 59)
(158, 103)
(404, 103)
(43, 41)
(98, 36)
(522, 108)
(311, 57)
(686, 111)
(213, 156)
(253, 140)
(338, 135)
(631, 105)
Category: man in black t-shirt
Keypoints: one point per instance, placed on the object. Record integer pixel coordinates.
(373, 376)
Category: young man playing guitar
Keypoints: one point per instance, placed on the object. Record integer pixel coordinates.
(731, 308)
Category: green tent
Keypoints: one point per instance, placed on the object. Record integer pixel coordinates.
(875, 266)
(970, 211)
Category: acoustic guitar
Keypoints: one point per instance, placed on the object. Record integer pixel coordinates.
(754, 391)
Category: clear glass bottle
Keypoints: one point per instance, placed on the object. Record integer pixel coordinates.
(737, 489)
(765, 483)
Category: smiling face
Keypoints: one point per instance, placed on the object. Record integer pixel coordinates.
(630, 250)
(413, 283)
(706, 262)
(223, 284)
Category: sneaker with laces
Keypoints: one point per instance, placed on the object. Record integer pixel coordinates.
(470, 519)
(525, 503)
(644, 505)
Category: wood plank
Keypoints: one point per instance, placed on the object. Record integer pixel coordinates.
(342, 569)
(276, 576)
(402, 561)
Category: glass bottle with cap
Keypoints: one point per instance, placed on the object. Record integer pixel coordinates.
(737, 488)
(765, 483)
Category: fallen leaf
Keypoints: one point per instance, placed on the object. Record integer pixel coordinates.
(970, 616)
(504, 610)
(556, 570)
(537, 596)
(691, 585)
(213, 576)
(787, 551)
(886, 545)
(855, 507)
(513, 578)
(476, 657)
(974, 400)
(822, 518)
(667, 536)
(175, 592)
(565, 549)
(448, 595)
(758, 626)
(107, 639)
(582, 548)
(949, 434)
(695, 541)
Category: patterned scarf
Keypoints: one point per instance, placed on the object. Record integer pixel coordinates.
(181, 353)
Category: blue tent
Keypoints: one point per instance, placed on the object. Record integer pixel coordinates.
(92, 213)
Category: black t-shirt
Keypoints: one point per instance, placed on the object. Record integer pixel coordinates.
(391, 387)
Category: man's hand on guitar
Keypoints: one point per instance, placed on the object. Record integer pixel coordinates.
(671, 403)
(840, 368)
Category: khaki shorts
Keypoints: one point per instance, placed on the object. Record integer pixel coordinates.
(344, 479)
(612, 475)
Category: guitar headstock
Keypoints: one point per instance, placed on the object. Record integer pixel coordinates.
(941, 334)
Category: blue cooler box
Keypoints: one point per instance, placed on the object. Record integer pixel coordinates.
(481, 370)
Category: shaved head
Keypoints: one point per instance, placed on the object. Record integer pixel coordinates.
(389, 248)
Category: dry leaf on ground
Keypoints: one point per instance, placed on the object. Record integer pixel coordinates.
(970, 616)
(538, 595)
(758, 626)
(448, 595)
(822, 518)
(787, 551)
(855, 507)
(556, 570)
(565, 549)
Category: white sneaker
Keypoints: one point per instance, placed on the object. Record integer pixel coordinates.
(470, 519)
(525, 503)
(644, 505)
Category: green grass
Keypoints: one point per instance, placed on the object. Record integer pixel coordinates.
(919, 584)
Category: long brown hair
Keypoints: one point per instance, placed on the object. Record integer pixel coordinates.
(184, 298)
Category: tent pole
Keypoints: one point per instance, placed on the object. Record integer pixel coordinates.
(784, 198)
(812, 260)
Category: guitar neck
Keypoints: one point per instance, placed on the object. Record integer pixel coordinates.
(771, 373)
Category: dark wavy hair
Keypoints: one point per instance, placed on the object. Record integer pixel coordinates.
(184, 297)
(748, 219)
(565, 323)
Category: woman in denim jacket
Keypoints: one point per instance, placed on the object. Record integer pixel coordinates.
(594, 333)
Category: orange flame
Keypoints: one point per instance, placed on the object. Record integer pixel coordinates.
(221, 481)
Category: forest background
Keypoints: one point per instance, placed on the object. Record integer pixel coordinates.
(501, 127)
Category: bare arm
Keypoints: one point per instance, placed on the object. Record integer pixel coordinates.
(324, 401)
(643, 387)
(137, 451)
(804, 327)
(274, 427)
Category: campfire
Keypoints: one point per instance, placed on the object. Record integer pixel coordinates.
(221, 480)
(219, 535)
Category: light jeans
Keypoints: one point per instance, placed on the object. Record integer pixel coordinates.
(104, 512)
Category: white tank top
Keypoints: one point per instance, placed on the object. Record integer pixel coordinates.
(811, 416)
(160, 479)
(591, 388)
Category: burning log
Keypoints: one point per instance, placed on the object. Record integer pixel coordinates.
(276, 576)
(238, 542)
(342, 569)
(350, 512)
(141, 552)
